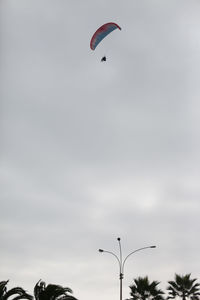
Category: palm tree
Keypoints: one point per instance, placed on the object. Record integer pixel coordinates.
(142, 289)
(16, 293)
(183, 287)
(52, 292)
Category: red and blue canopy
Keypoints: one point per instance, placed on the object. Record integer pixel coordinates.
(101, 33)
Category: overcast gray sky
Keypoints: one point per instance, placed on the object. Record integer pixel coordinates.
(91, 151)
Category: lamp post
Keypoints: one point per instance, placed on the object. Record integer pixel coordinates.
(122, 261)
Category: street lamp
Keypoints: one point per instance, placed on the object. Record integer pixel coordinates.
(121, 262)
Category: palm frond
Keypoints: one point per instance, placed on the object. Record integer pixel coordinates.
(184, 287)
(52, 292)
(3, 288)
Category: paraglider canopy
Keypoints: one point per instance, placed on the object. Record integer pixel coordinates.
(101, 33)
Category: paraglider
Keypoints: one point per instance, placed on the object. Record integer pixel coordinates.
(101, 33)
(103, 58)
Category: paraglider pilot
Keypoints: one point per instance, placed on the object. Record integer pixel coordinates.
(103, 58)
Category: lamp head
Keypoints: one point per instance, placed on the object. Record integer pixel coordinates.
(118, 239)
(101, 250)
(152, 246)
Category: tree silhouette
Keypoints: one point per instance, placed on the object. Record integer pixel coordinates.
(52, 292)
(183, 287)
(142, 289)
(16, 293)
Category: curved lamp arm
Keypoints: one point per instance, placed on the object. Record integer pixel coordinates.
(133, 253)
(120, 267)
